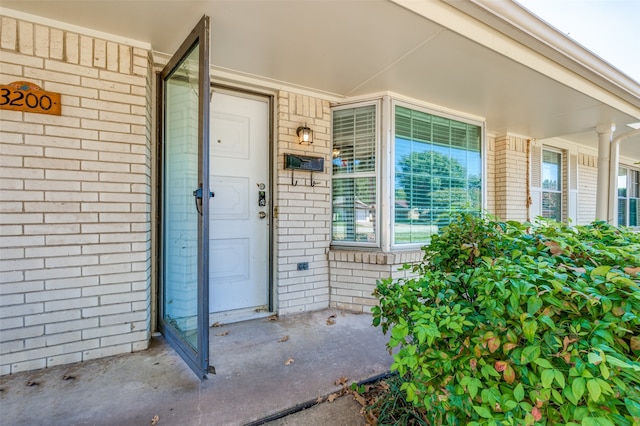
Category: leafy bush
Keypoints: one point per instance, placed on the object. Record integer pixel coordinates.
(511, 324)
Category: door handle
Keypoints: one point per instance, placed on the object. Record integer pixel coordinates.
(262, 215)
(198, 198)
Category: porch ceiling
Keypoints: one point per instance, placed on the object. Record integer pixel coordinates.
(352, 48)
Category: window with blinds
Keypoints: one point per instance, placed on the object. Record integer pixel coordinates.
(628, 197)
(438, 172)
(354, 195)
(552, 185)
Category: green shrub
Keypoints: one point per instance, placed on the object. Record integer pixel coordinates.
(511, 324)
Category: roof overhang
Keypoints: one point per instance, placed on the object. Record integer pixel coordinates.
(484, 58)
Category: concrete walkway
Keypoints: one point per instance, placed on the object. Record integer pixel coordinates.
(252, 380)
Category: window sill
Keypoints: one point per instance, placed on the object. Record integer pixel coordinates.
(375, 257)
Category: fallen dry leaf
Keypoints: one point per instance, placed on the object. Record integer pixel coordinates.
(331, 320)
(283, 339)
(155, 420)
(341, 381)
(360, 399)
(289, 361)
(217, 324)
(68, 377)
(273, 318)
(319, 400)
(224, 333)
(332, 397)
(632, 271)
(554, 247)
(32, 383)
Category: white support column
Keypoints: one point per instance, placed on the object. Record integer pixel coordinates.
(614, 161)
(605, 135)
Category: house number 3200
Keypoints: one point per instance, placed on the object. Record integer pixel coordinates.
(28, 97)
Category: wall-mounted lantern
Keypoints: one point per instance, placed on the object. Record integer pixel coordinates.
(305, 135)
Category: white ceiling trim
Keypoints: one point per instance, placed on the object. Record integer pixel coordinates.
(522, 19)
(474, 30)
(73, 28)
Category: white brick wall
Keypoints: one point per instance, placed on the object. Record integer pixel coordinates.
(304, 212)
(75, 200)
(354, 275)
(510, 199)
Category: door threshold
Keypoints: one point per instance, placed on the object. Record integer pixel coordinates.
(238, 315)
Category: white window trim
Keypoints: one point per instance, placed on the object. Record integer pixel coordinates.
(563, 178)
(376, 174)
(391, 164)
(629, 169)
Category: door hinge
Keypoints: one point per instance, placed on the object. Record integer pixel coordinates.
(275, 212)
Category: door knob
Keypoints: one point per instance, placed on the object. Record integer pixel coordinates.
(262, 215)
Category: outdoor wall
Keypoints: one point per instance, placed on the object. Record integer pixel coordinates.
(490, 176)
(354, 275)
(587, 183)
(511, 158)
(75, 200)
(303, 226)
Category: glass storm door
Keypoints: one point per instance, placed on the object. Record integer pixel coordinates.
(184, 287)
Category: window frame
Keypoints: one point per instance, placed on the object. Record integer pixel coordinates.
(627, 198)
(561, 181)
(376, 174)
(390, 237)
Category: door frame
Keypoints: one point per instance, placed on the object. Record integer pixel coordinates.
(269, 97)
(200, 362)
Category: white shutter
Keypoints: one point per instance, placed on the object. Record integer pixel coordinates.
(572, 210)
(535, 162)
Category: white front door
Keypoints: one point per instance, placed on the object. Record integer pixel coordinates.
(239, 215)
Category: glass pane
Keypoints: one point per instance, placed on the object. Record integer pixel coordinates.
(622, 182)
(622, 211)
(552, 205)
(354, 210)
(634, 211)
(634, 184)
(180, 217)
(551, 170)
(354, 140)
(438, 173)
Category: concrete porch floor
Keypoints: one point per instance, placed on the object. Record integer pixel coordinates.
(252, 380)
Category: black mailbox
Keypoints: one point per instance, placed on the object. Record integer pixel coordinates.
(303, 162)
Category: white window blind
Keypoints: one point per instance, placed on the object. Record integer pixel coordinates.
(552, 185)
(437, 173)
(354, 195)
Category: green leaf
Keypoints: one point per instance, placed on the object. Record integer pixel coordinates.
(594, 358)
(605, 387)
(559, 378)
(529, 354)
(547, 377)
(557, 397)
(543, 363)
(529, 329)
(568, 393)
(617, 363)
(533, 304)
(600, 271)
(509, 405)
(518, 392)
(594, 389)
(483, 412)
(633, 407)
(578, 387)
(596, 421)
(473, 389)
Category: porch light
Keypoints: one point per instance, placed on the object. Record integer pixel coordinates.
(305, 135)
